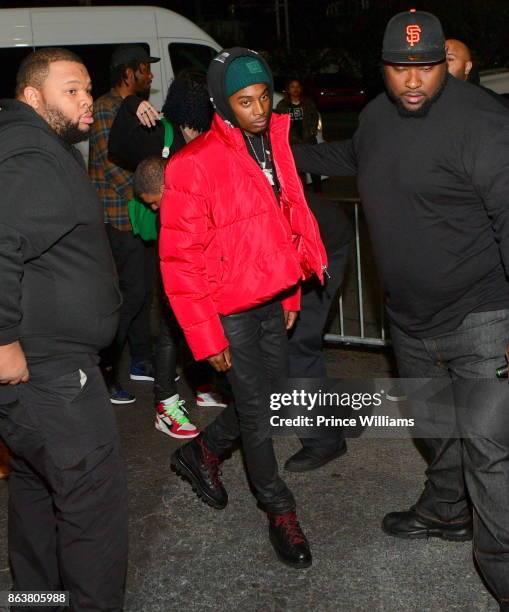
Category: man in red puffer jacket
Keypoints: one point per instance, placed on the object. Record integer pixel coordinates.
(236, 239)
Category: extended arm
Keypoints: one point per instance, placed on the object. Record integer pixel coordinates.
(328, 158)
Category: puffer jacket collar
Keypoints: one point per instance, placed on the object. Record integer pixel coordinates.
(232, 136)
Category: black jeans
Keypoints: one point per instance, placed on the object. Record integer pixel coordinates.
(305, 346)
(479, 465)
(136, 267)
(169, 340)
(258, 348)
(167, 344)
(67, 491)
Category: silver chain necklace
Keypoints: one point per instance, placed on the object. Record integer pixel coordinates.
(262, 164)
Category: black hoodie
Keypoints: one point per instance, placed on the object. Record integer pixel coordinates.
(216, 83)
(59, 293)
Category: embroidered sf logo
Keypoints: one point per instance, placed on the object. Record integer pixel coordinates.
(413, 34)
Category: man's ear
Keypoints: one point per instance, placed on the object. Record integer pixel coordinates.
(32, 96)
(468, 68)
(128, 76)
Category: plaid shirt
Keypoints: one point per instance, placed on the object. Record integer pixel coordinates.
(114, 184)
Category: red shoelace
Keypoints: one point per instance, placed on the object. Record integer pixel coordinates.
(291, 525)
(212, 462)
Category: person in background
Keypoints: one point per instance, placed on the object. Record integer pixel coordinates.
(458, 58)
(171, 417)
(137, 131)
(460, 64)
(305, 344)
(137, 137)
(304, 119)
(135, 259)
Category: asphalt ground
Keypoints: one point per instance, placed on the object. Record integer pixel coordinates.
(185, 556)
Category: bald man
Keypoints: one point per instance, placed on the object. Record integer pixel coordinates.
(459, 59)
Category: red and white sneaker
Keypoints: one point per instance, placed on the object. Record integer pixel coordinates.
(207, 398)
(171, 419)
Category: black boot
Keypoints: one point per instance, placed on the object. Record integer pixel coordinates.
(289, 542)
(410, 525)
(196, 463)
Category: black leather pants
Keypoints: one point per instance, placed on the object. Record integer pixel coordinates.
(258, 346)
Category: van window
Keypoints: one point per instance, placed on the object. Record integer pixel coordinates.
(95, 57)
(10, 59)
(188, 56)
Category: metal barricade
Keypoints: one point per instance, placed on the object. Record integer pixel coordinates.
(362, 339)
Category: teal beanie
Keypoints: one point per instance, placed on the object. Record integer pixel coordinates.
(244, 71)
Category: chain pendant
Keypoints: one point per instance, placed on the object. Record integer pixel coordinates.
(268, 174)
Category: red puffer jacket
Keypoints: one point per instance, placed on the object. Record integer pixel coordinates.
(226, 245)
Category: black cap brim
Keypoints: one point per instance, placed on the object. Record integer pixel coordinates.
(413, 58)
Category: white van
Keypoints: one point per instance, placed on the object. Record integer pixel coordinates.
(93, 33)
(497, 80)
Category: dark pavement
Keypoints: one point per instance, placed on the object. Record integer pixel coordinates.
(186, 556)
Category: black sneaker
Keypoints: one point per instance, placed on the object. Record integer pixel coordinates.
(197, 464)
(142, 371)
(118, 395)
(288, 541)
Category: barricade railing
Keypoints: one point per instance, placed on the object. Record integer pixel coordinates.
(362, 339)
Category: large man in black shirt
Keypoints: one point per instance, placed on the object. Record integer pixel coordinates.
(59, 305)
(432, 159)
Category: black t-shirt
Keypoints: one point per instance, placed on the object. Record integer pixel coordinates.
(260, 150)
(296, 112)
(435, 193)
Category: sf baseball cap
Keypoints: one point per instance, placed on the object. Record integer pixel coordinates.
(413, 37)
(128, 54)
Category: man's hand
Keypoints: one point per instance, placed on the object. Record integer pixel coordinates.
(147, 114)
(221, 362)
(13, 365)
(290, 318)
